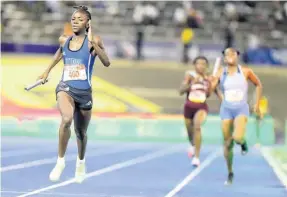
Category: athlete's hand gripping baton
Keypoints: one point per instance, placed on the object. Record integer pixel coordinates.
(37, 83)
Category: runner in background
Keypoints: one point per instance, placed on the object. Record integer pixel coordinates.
(264, 110)
(234, 111)
(197, 88)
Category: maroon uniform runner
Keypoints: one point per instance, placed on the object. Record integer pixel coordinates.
(197, 89)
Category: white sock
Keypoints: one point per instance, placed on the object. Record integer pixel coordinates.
(61, 160)
(79, 161)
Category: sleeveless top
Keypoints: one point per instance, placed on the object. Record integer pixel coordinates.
(78, 65)
(198, 91)
(234, 88)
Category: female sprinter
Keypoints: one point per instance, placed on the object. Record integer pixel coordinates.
(197, 87)
(234, 109)
(74, 92)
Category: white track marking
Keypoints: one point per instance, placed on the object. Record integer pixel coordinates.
(16, 153)
(275, 166)
(58, 194)
(194, 173)
(114, 167)
(20, 151)
(71, 157)
(51, 193)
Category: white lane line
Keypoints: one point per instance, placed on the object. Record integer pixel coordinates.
(114, 167)
(48, 193)
(70, 157)
(275, 166)
(16, 153)
(194, 173)
(71, 194)
(20, 151)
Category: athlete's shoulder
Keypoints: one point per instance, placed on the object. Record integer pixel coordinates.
(191, 73)
(98, 40)
(63, 39)
(247, 70)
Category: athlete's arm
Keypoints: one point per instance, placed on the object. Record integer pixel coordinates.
(215, 79)
(185, 86)
(218, 94)
(211, 88)
(256, 81)
(99, 50)
(98, 46)
(57, 57)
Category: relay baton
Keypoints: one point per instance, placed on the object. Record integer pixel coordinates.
(216, 66)
(37, 83)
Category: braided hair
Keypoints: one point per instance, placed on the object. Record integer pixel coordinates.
(83, 9)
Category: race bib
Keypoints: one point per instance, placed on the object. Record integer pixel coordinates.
(233, 95)
(197, 96)
(74, 72)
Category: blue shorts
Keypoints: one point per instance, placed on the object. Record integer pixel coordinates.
(232, 113)
(83, 98)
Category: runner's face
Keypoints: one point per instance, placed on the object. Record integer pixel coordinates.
(79, 22)
(230, 57)
(201, 66)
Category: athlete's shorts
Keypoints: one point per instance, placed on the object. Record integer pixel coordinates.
(191, 108)
(83, 98)
(231, 113)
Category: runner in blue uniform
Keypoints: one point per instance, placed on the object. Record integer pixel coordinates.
(234, 110)
(74, 91)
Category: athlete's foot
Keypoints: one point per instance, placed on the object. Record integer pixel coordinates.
(244, 148)
(195, 162)
(80, 173)
(229, 179)
(57, 170)
(190, 151)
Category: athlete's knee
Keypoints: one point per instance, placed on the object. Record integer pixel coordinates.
(197, 126)
(67, 120)
(189, 125)
(238, 139)
(227, 150)
(226, 134)
(228, 144)
(81, 133)
(187, 122)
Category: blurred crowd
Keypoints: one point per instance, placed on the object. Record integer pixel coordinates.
(179, 15)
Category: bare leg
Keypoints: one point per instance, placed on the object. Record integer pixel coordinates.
(228, 148)
(199, 118)
(189, 128)
(228, 143)
(66, 106)
(239, 132)
(81, 122)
